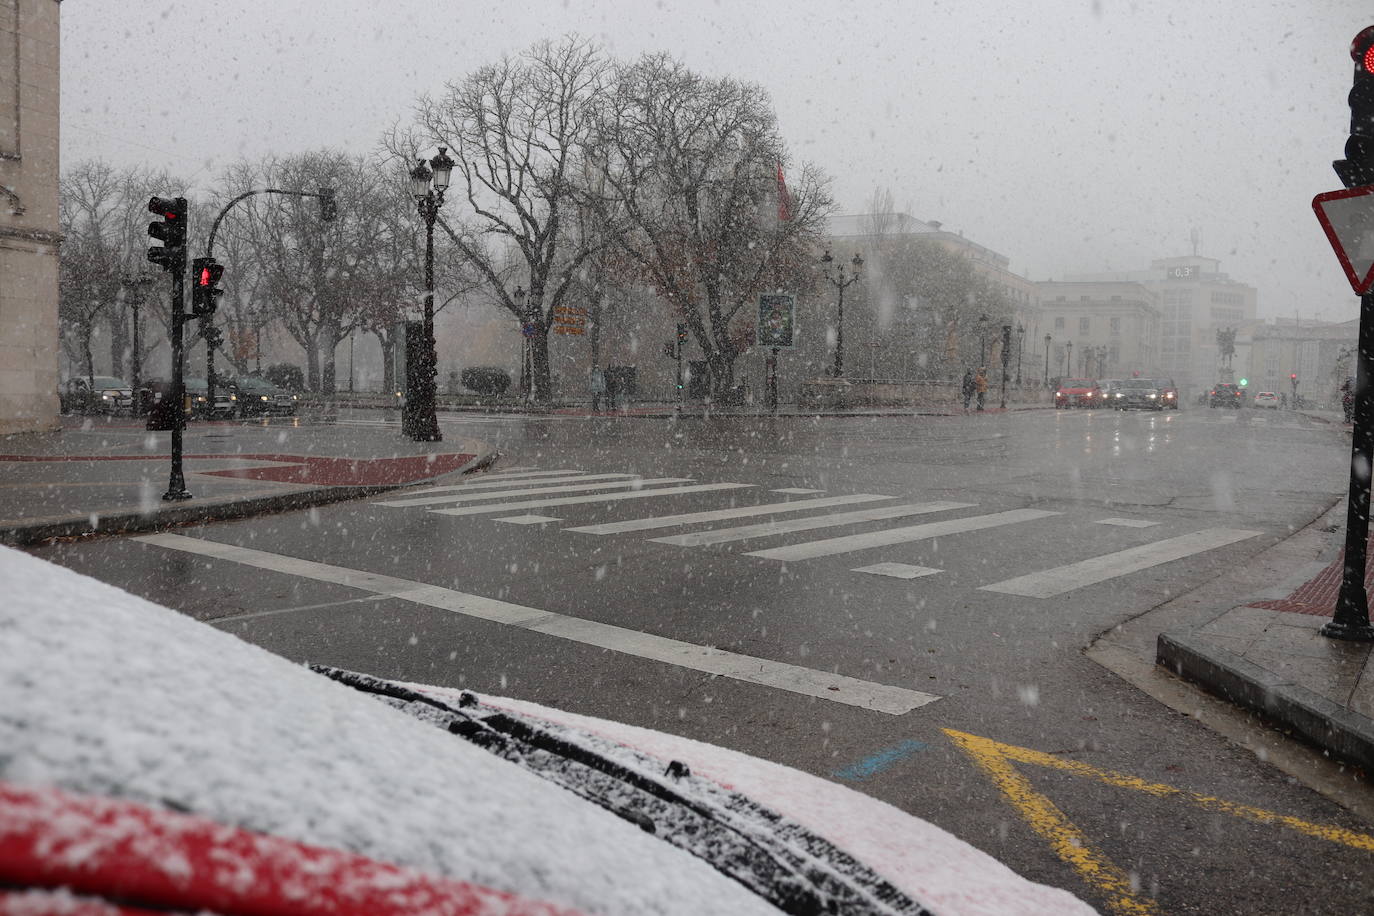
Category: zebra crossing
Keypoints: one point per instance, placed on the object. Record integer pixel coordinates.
(508, 497)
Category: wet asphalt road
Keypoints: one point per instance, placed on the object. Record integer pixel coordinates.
(1003, 665)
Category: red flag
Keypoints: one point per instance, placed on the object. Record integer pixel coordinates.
(784, 199)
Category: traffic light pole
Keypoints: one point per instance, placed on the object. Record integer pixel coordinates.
(1351, 618)
(176, 483)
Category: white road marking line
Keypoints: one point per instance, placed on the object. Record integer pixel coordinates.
(672, 521)
(1057, 581)
(597, 498)
(768, 673)
(440, 499)
(528, 519)
(898, 570)
(797, 491)
(526, 482)
(831, 546)
(767, 529)
(1127, 522)
(291, 610)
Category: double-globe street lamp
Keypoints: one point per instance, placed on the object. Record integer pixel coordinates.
(427, 186)
(834, 272)
(1048, 338)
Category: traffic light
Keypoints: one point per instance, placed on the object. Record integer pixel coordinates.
(1292, 377)
(681, 333)
(170, 231)
(1357, 168)
(205, 274)
(1244, 382)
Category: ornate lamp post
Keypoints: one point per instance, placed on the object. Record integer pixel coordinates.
(982, 339)
(1020, 350)
(427, 187)
(1068, 358)
(1048, 338)
(138, 285)
(839, 281)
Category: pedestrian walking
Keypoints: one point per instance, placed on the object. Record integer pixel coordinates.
(968, 387)
(980, 382)
(598, 387)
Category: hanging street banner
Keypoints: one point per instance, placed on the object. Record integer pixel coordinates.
(1347, 217)
(569, 319)
(777, 320)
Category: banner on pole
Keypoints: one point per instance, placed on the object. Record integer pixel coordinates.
(777, 321)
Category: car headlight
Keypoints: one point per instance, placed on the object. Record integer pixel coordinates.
(104, 397)
(1118, 394)
(295, 397)
(264, 397)
(1152, 395)
(1168, 394)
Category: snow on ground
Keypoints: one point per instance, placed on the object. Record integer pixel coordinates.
(106, 693)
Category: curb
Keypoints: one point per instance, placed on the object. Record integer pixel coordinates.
(1312, 717)
(118, 523)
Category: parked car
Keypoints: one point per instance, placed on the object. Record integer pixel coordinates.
(1138, 393)
(110, 395)
(156, 762)
(1078, 392)
(1168, 392)
(226, 403)
(1267, 400)
(1225, 394)
(1109, 387)
(258, 397)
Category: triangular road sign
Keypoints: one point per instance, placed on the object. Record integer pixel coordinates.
(1348, 219)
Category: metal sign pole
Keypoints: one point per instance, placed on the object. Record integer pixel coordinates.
(1351, 617)
(176, 481)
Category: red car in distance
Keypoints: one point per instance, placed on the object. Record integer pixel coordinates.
(1078, 392)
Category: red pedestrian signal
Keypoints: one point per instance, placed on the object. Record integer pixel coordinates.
(205, 276)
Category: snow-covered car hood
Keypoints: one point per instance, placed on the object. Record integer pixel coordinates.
(108, 694)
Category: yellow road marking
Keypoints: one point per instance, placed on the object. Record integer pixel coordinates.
(1070, 844)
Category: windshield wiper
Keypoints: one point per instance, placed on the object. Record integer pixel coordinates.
(779, 860)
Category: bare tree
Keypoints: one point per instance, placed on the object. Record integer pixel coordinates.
(693, 165)
(515, 128)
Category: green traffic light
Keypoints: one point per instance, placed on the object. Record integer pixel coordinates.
(1244, 382)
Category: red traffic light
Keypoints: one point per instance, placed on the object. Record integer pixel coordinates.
(1362, 49)
(1293, 376)
(204, 278)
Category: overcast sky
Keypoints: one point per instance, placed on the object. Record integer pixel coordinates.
(1070, 135)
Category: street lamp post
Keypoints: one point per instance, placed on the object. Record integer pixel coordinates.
(137, 285)
(1048, 338)
(1068, 358)
(427, 186)
(982, 339)
(1020, 350)
(839, 281)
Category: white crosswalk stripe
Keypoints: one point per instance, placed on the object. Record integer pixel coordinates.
(767, 529)
(850, 543)
(509, 482)
(598, 498)
(1061, 579)
(441, 499)
(718, 515)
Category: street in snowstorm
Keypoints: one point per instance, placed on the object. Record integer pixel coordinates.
(898, 602)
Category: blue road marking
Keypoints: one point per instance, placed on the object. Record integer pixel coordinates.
(880, 761)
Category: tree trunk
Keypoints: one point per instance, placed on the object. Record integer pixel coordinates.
(119, 343)
(539, 357)
(312, 365)
(388, 362)
(328, 352)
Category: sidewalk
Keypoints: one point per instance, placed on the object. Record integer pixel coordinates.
(108, 475)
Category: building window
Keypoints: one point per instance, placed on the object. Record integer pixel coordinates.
(1059, 324)
(1085, 325)
(1116, 326)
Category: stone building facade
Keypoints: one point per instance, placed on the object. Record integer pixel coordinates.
(29, 227)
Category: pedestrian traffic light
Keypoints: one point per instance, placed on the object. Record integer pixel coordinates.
(171, 231)
(205, 274)
(681, 333)
(1357, 168)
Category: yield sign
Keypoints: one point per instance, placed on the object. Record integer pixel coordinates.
(1348, 219)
